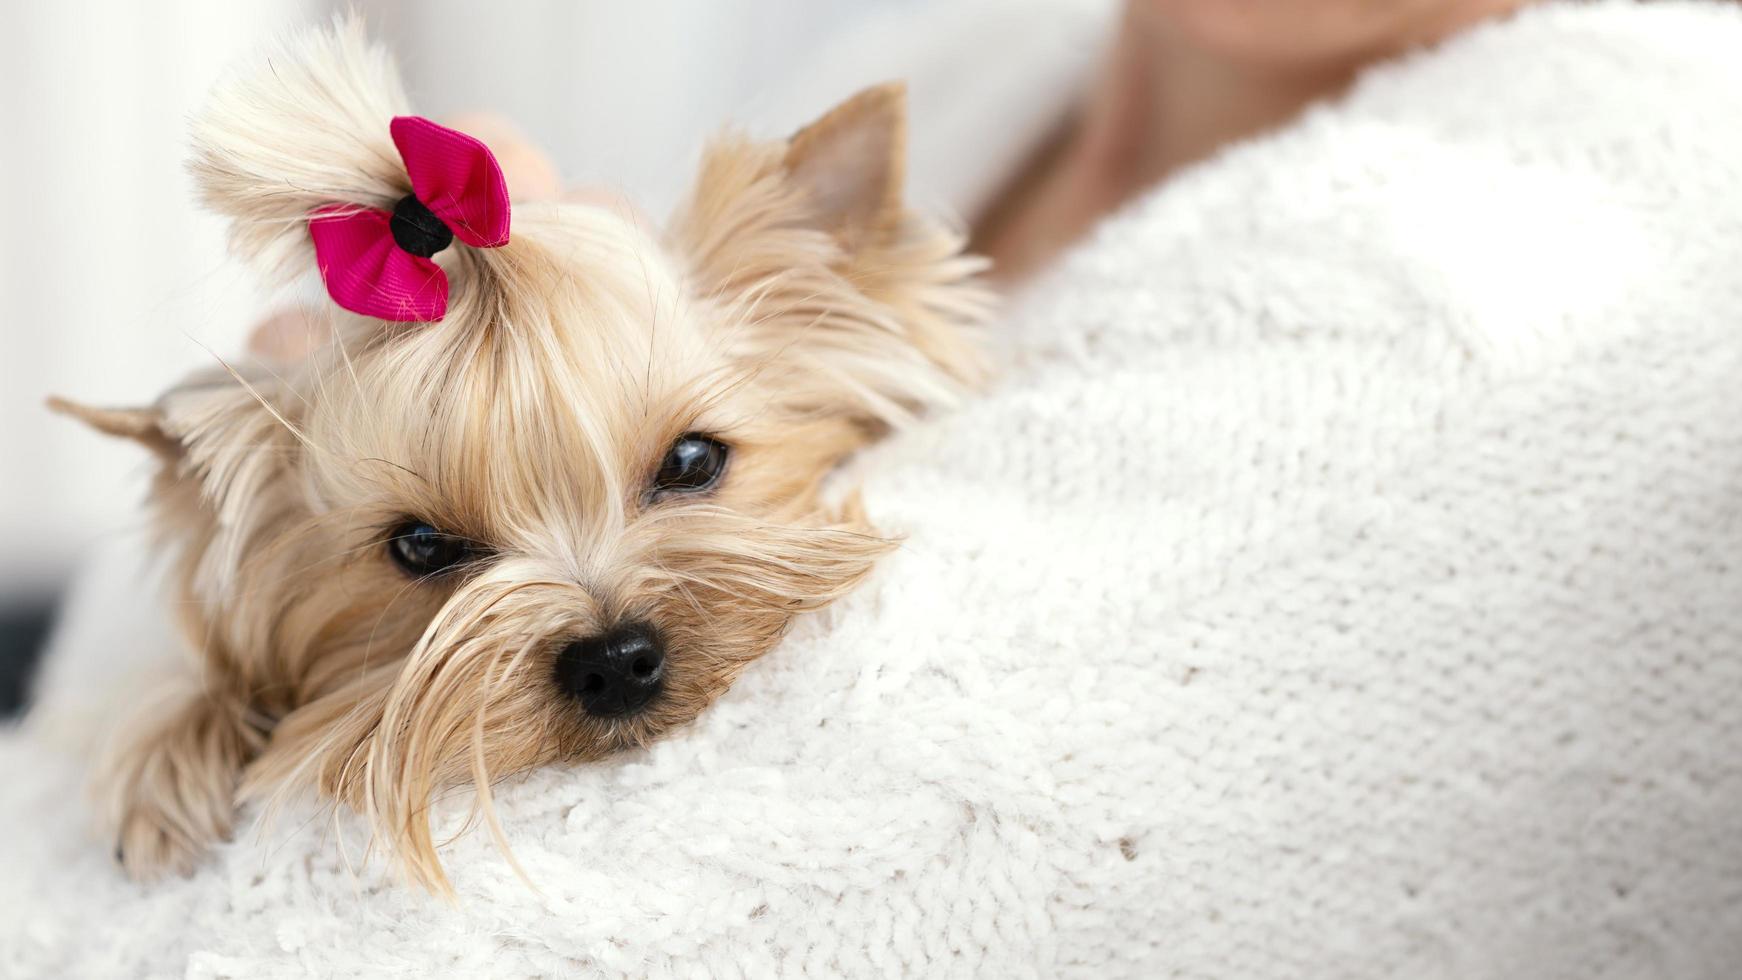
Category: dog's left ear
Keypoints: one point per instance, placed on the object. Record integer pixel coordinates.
(851, 164)
(811, 251)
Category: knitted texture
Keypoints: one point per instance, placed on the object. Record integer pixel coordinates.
(1343, 581)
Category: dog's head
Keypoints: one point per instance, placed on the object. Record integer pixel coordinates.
(559, 521)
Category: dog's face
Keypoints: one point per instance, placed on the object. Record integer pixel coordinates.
(562, 520)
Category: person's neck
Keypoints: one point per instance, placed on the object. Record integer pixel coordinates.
(1163, 102)
(1166, 104)
(1159, 104)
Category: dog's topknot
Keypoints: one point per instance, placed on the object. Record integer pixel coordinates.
(304, 125)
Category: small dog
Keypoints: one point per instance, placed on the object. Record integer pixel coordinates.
(545, 516)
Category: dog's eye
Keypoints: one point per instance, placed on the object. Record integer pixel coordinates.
(421, 549)
(694, 462)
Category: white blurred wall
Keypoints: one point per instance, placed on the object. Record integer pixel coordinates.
(620, 93)
(109, 281)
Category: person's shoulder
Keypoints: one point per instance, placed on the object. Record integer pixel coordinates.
(1570, 39)
(1569, 74)
(1534, 188)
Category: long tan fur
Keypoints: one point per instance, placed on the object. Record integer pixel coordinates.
(792, 320)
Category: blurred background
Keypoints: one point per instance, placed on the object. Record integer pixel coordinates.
(113, 284)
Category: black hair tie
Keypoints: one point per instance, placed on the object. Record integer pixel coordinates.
(416, 228)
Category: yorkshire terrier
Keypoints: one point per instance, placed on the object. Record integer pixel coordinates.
(545, 491)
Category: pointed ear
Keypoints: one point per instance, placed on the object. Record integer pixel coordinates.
(142, 425)
(851, 164)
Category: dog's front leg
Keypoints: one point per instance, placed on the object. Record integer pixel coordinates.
(170, 778)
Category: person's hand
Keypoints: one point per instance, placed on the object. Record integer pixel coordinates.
(528, 169)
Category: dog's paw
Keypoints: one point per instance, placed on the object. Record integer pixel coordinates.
(170, 787)
(150, 845)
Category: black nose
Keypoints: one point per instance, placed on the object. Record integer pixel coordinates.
(614, 673)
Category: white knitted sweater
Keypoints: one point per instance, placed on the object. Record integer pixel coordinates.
(1346, 581)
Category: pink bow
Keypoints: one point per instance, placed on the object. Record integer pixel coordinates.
(377, 263)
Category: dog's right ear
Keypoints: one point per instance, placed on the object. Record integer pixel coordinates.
(226, 445)
(142, 425)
